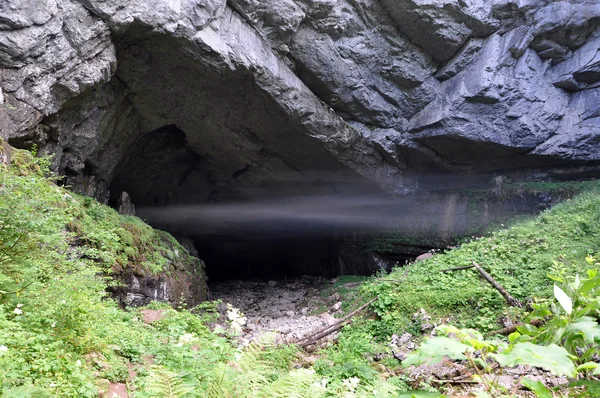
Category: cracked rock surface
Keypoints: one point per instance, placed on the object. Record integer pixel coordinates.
(384, 91)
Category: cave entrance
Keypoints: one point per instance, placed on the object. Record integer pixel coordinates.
(251, 257)
(246, 226)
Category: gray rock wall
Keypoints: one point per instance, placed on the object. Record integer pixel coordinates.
(266, 91)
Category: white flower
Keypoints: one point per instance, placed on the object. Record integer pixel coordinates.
(63, 301)
(351, 383)
(53, 324)
(3, 349)
(19, 305)
(236, 318)
(18, 311)
(185, 339)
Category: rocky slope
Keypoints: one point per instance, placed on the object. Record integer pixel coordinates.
(202, 100)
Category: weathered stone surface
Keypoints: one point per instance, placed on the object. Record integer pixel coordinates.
(183, 279)
(460, 60)
(441, 27)
(582, 69)
(124, 205)
(245, 92)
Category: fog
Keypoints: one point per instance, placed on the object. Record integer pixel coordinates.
(290, 216)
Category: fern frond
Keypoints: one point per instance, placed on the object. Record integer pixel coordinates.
(166, 384)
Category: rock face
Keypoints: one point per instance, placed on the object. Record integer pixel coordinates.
(182, 281)
(203, 101)
(252, 90)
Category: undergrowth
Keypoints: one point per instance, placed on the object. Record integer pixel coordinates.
(61, 335)
(518, 257)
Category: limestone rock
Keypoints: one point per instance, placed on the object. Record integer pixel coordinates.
(125, 206)
(194, 101)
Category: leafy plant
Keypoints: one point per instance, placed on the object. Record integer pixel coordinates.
(570, 319)
(166, 384)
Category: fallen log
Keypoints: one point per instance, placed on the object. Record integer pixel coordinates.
(313, 338)
(457, 268)
(511, 329)
(509, 299)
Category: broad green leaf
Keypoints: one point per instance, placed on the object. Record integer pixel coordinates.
(588, 366)
(527, 329)
(540, 390)
(552, 358)
(434, 349)
(514, 336)
(563, 299)
(587, 327)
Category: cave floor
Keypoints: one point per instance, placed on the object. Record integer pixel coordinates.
(290, 309)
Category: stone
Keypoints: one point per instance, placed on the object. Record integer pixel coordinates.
(125, 206)
(424, 256)
(440, 27)
(272, 283)
(582, 69)
(460, 60)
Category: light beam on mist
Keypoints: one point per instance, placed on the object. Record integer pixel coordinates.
(289, 215)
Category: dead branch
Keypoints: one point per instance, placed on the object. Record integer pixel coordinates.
(511, 329)
(457, 268)
(313, 338)
(509, 299)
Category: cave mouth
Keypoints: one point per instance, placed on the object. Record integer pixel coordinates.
(254, 258)
(250, 224)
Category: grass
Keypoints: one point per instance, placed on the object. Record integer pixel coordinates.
(62, 335)
(518, 257)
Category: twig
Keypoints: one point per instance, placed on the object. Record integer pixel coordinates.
(487, 387)
(510, 329)
(509, 299)
(308, 340)
(457, 268)
(455, 381)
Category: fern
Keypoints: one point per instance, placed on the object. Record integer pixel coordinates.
(299, 383)
(218, 379)
(166, 384)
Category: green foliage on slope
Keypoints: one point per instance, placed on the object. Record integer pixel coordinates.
(61, 335)
(57, 251)
(519, 258)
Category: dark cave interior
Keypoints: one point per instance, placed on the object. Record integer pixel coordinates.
(246, 227)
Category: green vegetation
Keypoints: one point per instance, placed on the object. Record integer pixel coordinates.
(57, 252)
(565, 344)
(62, 335)
(519, 258)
